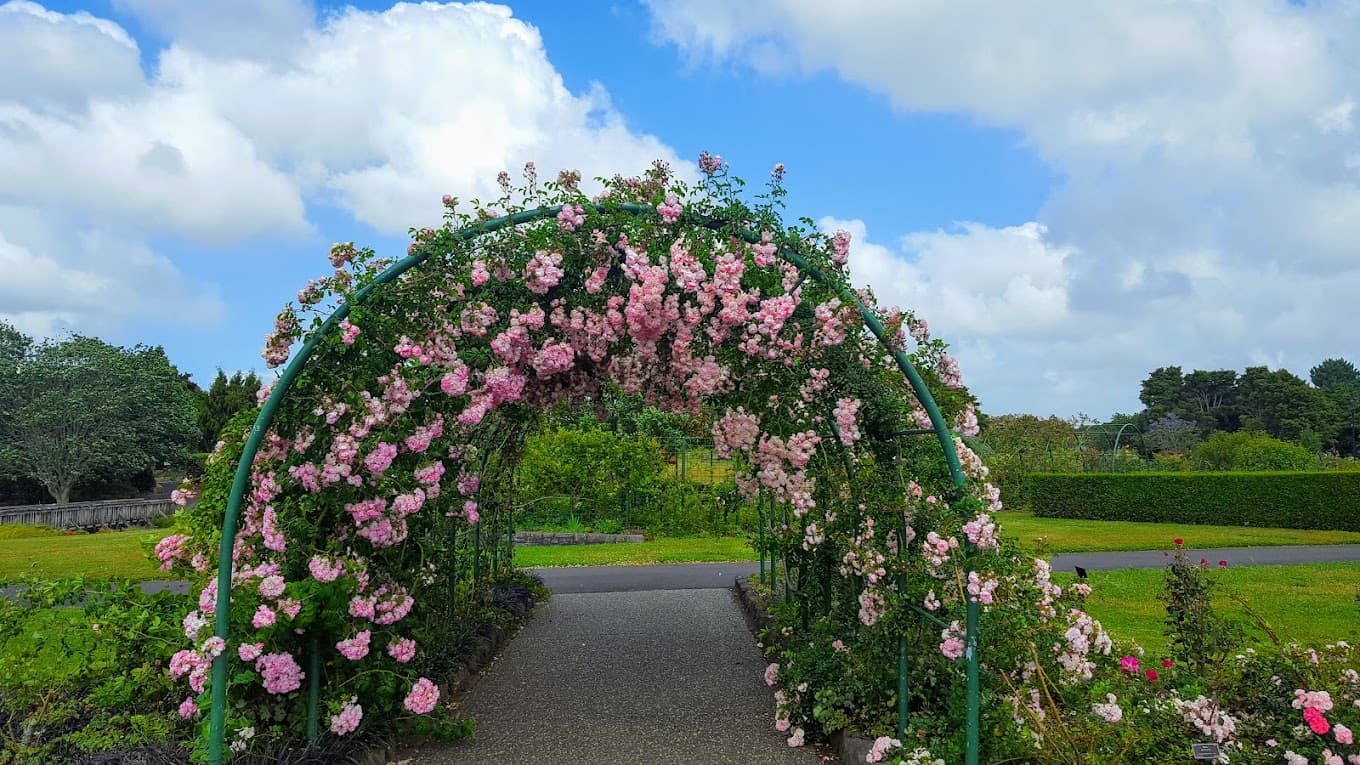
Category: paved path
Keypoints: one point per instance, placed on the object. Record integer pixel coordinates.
(657, 676)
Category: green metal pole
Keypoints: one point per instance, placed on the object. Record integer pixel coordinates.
(760, 533)
(453, 565)
(974, 704)
(314, 690)
(902, 666)
(476, 554)
(786, 558)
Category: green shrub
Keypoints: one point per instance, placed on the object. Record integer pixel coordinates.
(583, 475)
(1295, 500)
(1250, 451)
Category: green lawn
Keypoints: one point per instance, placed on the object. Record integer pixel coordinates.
(672, 550)
(26, 550)
(1310, 603)
(53, 554)
(1055, 535)
(119, 553)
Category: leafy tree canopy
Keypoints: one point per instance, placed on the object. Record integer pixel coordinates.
(80, 406)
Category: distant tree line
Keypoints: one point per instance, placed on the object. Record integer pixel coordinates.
(83, 419)
(1321, 414)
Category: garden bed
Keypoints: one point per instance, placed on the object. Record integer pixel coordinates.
(848, 746)
(90, 683)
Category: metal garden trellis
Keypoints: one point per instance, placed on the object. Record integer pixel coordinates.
(241, 480)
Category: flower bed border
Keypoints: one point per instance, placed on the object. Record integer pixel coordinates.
(486, 649)
(849, 747)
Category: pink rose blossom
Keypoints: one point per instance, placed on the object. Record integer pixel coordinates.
(264, 617)
(280, 672)
(423, 697)
(346, 721)
(402, 650)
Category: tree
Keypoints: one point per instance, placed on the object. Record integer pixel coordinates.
(223, 399)
(14, 346)
(1173, 435)
(1209, 398)
(81, 406)
(1282, 405)
(1334, 373)
(1339, 381)
(1163, 392)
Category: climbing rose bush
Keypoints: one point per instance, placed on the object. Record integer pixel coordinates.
(396, 436)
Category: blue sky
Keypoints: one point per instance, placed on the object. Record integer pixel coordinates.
(1070, 204)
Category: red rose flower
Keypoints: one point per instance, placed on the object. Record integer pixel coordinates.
(1166, 664)
(1151, 675)
(1178, 541)
(1223, 564)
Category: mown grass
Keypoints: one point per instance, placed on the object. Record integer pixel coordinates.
(16, 531)
(1310, 603)
(57, 555)
(1056, 535)
(668, 550)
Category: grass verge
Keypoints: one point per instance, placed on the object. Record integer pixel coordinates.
(56, 555)
(1312, 603)
(1058, 535)
(668, 550)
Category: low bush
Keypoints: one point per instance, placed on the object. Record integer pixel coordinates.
(1296, 500)
(1250, 451)
(20, 531)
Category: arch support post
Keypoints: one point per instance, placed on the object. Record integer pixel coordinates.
(974, 703)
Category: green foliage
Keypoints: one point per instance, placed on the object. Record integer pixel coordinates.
(1250, 451)
(584, 474)
(87, 678)
(1198, 637)
(79, 407)
(1014, 445)
(1283, 405)
(1334, 373)
(1296, 500)
(224, 398)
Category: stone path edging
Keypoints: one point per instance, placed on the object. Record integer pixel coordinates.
(848, 747)
(464, 675)
(541, 538)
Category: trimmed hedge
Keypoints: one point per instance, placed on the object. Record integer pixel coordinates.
(1312, 500)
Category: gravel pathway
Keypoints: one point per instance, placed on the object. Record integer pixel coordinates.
(622, 678)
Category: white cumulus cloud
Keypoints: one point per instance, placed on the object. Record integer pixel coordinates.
(254, 113)
(1209, 211)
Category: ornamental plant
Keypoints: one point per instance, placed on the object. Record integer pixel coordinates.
(395, 437)
(396, 441)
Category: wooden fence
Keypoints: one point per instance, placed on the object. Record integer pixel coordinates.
(84, 515)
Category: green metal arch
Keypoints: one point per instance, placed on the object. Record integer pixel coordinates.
(241, 480)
